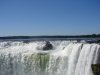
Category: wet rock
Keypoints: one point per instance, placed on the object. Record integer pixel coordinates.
(47, 46)
(91, 41)
(81, 46)
(98, 41)
(63, 48)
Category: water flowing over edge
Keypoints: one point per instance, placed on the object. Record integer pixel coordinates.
(66, 58)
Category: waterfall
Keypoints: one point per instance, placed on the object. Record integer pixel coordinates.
(66, 58)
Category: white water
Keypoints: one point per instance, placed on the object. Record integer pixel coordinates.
(66, 58)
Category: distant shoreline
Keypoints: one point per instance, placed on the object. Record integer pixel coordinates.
(54, 36)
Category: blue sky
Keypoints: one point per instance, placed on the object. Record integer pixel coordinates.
(49, 17)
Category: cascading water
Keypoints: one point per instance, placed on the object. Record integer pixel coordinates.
(66, 58)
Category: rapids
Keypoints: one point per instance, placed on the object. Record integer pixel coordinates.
(66, 58)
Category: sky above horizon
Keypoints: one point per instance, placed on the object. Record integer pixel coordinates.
(49, 17)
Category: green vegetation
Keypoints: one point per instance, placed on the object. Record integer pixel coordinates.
(96, 69)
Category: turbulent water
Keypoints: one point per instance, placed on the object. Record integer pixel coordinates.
(66, 58)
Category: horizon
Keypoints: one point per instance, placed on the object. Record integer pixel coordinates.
(49, 17)
(52, 35)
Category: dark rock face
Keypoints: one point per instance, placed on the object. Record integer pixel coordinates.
(93, 41)
(47, 46)
(95, 69)
(98, 41)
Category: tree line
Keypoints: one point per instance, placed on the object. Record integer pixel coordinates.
(54, 36)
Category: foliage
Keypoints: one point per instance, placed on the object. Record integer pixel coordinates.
(96, 69)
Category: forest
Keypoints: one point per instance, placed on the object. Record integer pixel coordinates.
(54, 36)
